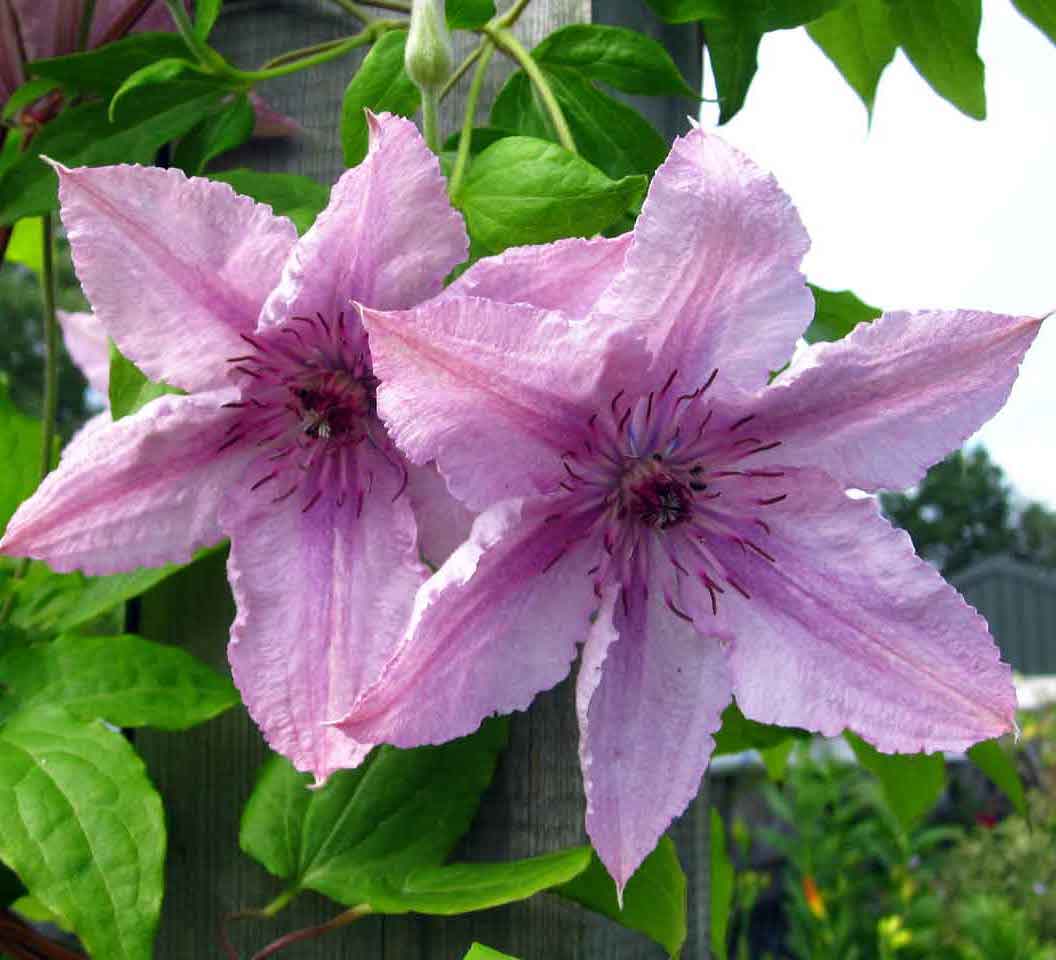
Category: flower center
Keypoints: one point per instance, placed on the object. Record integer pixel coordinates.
(334, 404)
(654, 496)
(308, 400)
(671, 479)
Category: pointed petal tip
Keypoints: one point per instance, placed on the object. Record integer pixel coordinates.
(59, 168)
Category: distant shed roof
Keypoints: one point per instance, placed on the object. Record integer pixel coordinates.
(1019, 602)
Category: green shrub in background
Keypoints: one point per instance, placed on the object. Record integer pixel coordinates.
(858, 885)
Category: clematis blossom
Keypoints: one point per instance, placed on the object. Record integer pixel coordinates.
(37, 29)
(276, 443)
(647, 493)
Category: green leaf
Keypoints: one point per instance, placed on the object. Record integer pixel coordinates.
(836, 314)
(379, 84)
(858, 39)
(480, 952)
(399, 811)
(738, 733)
(469, 14)
(58, 603)
(84, 136)
(228, 127)
(775, 758)
(205, 14)
(1042, 13)
(912, 782)
(288, 194)
(104, 70)
(522, 190)
(624, 59)
(465, 887)
(83, 829)
(941, 38)
(614, 137)
(26, 245)
(163, 84)
(27, 94)
(130, 390)
(126, 680)
(722, 879)
(1000, 766)
(733, 52)
(654, 901)
(20, 451)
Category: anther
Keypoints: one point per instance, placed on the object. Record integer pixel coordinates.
(263, 480)
(736, 586)
(284, 496)
(675, 610)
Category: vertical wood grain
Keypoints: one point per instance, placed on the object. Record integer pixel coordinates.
(536, 803)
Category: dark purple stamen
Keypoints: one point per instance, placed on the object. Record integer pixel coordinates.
(310, 393)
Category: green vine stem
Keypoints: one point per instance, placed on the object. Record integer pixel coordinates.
(51, 344)
(206, 55)
(49, 402)
(356, 10)
(512, 47)
(292, 56)
(282, 65)
(465, 141)
(431, 119)
(85, 28)
(462, 68)
(397, 5)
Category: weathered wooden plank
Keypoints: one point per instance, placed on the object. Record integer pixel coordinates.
(536, 803)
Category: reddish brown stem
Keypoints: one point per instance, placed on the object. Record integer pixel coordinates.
(16, 934)
(311, 933)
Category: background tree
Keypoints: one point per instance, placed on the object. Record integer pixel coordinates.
(965, 510)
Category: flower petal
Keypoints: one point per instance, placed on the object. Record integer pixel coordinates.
(493, 392)
(388, 237)
(864, 634)
(86, 343)
(174, 268)
(323, 598)
(141, 492)
(650, 694)
(443, 523)
(713, 272)
(496, 625)
(568, 275)
(109, 17)
(879, 407)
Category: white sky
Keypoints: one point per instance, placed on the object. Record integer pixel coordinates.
(928, 208)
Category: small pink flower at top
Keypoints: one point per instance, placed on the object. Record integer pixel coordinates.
(38, 29)
(276, 444)
(649, 494)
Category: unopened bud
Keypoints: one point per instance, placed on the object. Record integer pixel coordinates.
(429, 56)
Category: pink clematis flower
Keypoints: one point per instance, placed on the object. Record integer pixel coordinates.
(37, 29)
(276, 444)
(648, 494)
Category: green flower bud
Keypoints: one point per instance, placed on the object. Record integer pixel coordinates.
(429, 56)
